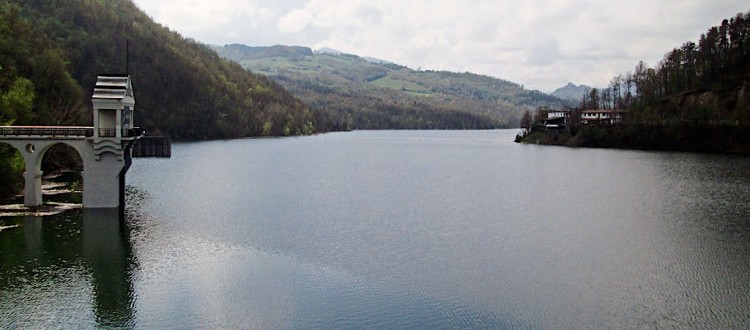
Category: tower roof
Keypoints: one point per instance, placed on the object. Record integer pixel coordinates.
(113, 87)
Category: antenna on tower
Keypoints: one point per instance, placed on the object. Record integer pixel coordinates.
(127, 57)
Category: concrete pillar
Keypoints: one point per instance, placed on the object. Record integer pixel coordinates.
(31, 153)
(32, 192)
(101, 181)
(96, 124)
(118, 123)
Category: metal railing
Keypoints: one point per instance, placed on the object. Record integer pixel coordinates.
(65, 131)
(107, 132)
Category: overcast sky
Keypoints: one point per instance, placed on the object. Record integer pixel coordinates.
(542, 44)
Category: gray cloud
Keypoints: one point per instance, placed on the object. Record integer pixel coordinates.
(542, 44)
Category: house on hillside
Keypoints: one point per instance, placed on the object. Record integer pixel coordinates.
(558, 120)
(555, 119)
(602, 116)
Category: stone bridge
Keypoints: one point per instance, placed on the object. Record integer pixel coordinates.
(105, 148)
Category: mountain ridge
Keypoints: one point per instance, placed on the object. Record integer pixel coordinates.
(572, 92)
(339, 82)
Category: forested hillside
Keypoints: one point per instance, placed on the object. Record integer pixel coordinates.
(51, 52)
(360, 93)
(183, 89)
(698, 84)
(696, 99)
(35, 88)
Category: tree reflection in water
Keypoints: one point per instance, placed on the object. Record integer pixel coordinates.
(49, 265)
(107, 251)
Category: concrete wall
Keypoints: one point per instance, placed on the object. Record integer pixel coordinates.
(107, 118)
(101, 170)
(101, 181)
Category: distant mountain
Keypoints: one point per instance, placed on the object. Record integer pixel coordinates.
(367, 93)
(262, 52)
(331, 51)
(571, 92)
(375, 60)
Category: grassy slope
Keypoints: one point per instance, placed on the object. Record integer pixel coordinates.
(497, 102)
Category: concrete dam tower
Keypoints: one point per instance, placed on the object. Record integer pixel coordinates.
(105, 148)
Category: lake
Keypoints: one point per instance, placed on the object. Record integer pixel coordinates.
(395, 229)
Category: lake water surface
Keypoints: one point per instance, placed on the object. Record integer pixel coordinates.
(395, 229)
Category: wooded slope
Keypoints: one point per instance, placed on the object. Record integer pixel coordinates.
(183, 89)
(363, 93)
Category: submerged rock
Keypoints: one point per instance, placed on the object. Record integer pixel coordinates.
(8, 227)
(48, 208)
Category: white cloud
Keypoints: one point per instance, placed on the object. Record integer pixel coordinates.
(196, 16)
(295, 21)
(539, 43)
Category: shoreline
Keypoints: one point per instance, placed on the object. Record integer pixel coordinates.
(696, 139)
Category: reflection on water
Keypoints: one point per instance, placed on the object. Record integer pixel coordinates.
(70, 270)
(106, 249)
(402, 229)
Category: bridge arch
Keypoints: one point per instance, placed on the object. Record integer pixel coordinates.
(62, 165)
(32, 151)
(46, 147)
